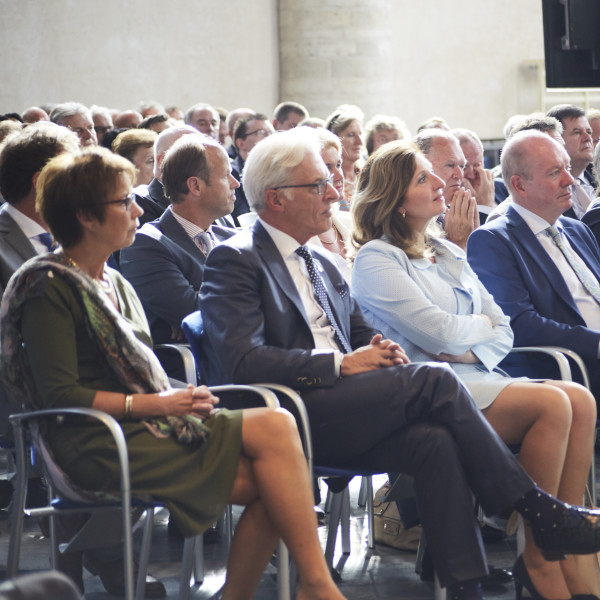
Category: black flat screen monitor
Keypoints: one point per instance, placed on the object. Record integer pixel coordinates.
(572, 43)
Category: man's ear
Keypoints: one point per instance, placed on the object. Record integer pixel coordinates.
(34, 179)
(274, 201)
(516, 181)
(195, 185)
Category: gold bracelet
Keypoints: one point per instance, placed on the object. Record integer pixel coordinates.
(128, 403)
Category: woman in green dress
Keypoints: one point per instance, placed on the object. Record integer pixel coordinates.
(74, 334)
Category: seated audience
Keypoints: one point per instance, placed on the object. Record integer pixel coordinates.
(382, 129)
(148, 109)
(24, 235)
(223, 129)
(537, 122)
(175, 112)
(346, 121)
(417, 289)
(151, 198)
(204, 118)
(593, 117)
(445, 154)
(195, 458)
(288, 115)
(577, 136)
(128, 119)
(33, 114)
(77, 118)
(433, 123)
(592, 216)
(157, 123)
(277, 310)
(166, 260)
(137, 146)
(477, 179)
(248, 132)
(542, 268)
(232, 118)
(337, 236)
(102, 121)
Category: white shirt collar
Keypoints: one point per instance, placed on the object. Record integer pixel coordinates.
(285, 243)
(28, 226)
(536, 223)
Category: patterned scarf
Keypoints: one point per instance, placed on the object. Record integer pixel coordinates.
(133, 364)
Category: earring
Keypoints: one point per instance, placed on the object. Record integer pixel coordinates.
(403, 215)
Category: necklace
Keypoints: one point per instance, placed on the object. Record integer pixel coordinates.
(104, 282)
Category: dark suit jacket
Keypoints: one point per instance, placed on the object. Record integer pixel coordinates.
(528, 286)
(15, 248)
(256, 328)
(165, 267)
(152, 200)
(241, 205)
(592, 220)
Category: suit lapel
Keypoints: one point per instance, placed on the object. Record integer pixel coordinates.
(523, 236)
(277, 267)
(13, 235)
(174, 231)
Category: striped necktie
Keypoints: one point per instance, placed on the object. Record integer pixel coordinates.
(589, 282)
(321, 296)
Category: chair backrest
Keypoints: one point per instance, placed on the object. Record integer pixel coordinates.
(193, 329)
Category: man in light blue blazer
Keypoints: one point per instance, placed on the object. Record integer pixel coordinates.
(530, 277)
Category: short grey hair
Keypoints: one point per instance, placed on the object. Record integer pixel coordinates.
(189, 113)
(272, 160)
(68, 109)
(101, 111)
(539, 122)
(467, 135)
(424, 139)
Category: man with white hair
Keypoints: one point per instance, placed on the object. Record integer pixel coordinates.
(77, 118)
(542, 268)
(275, 309)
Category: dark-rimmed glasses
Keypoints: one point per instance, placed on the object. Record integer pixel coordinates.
(319, 186)
(126, 202)
(260, 133)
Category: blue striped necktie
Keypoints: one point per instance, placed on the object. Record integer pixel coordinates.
(321, 296)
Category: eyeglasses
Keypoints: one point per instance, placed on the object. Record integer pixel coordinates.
(126, 202)
(261, 133)
(320, 186)
(102, 129)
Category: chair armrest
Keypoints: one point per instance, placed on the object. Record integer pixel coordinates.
(558, 354)
(263, 396)
(110, 422)
(187, 358)
(300, 407)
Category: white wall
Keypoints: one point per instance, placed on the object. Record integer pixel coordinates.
(118, 52)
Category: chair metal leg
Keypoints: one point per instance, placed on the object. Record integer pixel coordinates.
(363, 492)
(144, 555)
(335, 511)
(17, 508)
(439, 592)
(370, 519)
(345, 521)
(186, 581)
(284, 591)
(199, 560)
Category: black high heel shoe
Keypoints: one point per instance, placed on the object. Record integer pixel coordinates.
(522, 580)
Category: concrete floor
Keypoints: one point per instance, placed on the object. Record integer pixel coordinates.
(379, 573)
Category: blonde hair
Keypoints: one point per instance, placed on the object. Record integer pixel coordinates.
(382, 186)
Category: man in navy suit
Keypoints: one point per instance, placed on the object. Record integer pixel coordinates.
(275, 310)
(166, 261)
(549, 300)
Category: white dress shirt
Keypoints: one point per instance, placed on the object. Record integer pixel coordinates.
(322, 331)
(587, 306)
